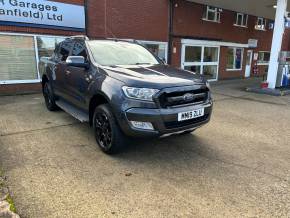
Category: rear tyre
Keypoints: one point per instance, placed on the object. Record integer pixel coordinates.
(108, 134)
(49, 97)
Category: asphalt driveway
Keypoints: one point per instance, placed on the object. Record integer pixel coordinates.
(236, 166)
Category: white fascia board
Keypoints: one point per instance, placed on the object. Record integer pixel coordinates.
(213, 43)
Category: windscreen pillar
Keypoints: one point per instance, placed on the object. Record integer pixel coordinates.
(277, 42)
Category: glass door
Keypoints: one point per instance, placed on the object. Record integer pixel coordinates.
(201, 59)
(249, 63)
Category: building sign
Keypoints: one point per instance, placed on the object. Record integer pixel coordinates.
(40, 12)
(253, 43)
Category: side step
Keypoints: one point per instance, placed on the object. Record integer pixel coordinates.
(72, 110)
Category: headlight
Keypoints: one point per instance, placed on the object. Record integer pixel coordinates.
(144, 94)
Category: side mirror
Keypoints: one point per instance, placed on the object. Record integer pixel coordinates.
(77, 61)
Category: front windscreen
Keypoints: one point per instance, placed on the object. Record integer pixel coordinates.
(111, 53)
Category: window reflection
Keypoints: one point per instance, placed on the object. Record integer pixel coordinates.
(46, 45)
(158, 50)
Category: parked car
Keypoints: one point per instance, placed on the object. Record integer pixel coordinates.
(124, 91)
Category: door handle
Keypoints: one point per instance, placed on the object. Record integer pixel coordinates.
(67, 72)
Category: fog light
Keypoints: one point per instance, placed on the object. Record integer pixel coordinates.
(142, 125)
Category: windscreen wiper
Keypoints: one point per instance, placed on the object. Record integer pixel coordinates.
(142, 63)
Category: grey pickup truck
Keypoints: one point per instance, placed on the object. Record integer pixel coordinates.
(123, 90)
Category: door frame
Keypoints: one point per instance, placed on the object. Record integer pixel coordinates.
(202, 63)
(250, 65)
(208, 43)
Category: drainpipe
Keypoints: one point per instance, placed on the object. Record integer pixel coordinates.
(86, 19)
(170, 31)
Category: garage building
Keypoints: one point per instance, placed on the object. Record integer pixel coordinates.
(216, 42)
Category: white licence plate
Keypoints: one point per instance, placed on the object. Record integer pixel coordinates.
(189, 115)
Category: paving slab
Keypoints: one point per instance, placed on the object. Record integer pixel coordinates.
(236, 166)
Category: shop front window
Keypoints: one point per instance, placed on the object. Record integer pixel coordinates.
(210, 54)
(234, 59)
(159, 49)
(193, 54)
(46, 45)
(202, 60)
(210, 71)
(193, 68)
(17, 58)
(264, 57)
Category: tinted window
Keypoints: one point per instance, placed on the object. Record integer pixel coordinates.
(109, 53)
(65, 49)
(79, 49)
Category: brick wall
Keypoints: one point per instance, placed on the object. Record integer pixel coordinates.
(20, 88)
(148, 20)
(188, 23)
(144, 20)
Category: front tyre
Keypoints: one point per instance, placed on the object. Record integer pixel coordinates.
(49, 97)
(108, 134)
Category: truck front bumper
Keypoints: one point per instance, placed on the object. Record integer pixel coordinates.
(164, 121)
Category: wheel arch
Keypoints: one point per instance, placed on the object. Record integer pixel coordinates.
(96, 100)
(44, 80)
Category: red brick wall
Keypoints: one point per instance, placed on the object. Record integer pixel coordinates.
(188, 23)
(286, 40)
(20, 88)
(147, 20)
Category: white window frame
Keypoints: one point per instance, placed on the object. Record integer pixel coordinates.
(216, 11)
(242, 59)
(202, 63)
(264, 63)
(261, 24)
(207, 43)
(245, 18)
(38, 80)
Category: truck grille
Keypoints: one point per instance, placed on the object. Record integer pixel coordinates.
(180, 98)
(177, 124)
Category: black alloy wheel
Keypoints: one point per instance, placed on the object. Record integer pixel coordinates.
(108, 134)
(49, 97)
(103, 130)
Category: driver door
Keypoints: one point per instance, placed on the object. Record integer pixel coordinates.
(77, 78)
(60, 69)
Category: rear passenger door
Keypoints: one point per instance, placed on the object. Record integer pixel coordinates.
(78, 78)
(60, 69)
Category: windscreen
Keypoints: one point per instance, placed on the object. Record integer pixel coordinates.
(111, 53)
